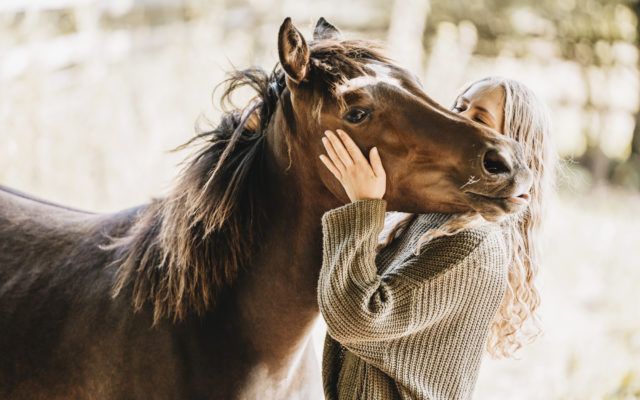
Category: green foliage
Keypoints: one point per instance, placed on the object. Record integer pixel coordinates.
(576, 27)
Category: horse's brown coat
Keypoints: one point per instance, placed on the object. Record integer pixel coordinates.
(216, 284)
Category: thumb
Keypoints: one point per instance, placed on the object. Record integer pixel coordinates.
(376, 163)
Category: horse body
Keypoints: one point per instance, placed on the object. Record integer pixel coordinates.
(54, 296)
(211, 291)
(65, 336)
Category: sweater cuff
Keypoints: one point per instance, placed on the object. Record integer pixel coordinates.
(362, 218)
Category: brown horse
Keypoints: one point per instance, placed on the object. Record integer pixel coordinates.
(210, 293)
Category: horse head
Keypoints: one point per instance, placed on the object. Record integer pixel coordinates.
(436, 160)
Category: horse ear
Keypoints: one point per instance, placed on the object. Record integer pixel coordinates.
(324, 30)
(293, 51)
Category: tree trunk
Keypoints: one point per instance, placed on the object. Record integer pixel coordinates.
(635, 141)
(406, 29)
(628, 173)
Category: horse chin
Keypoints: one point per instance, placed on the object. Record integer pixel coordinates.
(494, 209)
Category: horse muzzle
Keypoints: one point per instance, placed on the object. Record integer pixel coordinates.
(504, 184)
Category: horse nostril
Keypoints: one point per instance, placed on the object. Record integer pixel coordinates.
(495, 164)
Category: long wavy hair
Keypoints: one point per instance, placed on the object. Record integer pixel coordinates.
(526, 120)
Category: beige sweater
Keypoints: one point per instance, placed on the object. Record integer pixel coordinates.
(402, 326)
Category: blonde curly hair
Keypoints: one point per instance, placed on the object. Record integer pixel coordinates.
(526, 120)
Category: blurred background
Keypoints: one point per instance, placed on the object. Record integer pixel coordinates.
(94, 93)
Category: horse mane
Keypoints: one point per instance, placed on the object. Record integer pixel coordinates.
(183, 251)
(212, 213)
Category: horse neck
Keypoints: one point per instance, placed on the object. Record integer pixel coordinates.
(278, 292)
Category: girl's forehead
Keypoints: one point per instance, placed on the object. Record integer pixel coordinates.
(484, 91)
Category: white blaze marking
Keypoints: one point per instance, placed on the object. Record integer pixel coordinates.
(383, 75)
(380, 69)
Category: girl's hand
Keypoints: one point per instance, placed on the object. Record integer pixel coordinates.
(346, 162)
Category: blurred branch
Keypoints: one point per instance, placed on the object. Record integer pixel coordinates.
(37, 5)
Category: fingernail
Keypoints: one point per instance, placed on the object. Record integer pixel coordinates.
(375, 149)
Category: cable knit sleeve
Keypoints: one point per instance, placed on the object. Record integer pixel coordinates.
(359, 305)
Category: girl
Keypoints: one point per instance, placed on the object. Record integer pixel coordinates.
(410, 321)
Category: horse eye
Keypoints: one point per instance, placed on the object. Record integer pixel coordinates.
(356, 115)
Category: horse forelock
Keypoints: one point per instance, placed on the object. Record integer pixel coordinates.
(338, 60)
(344, 65)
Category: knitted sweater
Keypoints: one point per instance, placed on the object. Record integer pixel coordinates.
(401, 326)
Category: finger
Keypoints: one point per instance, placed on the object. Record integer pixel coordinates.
(351, 146)
(338, 146)
(335, 159)
(325, 160)
(376, 162)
